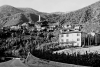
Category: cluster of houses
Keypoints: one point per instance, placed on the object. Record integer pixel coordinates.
(39, 26)
(71, 35)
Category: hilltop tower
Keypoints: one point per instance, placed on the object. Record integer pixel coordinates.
(39, 19)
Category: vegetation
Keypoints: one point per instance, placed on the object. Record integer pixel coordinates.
(91, 59)
(19, 42)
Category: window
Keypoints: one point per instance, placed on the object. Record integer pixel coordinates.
(67, 35)
(62, 40)
(77, 44)
(61, 35)
(67, 40)
(67, 25)
(78, 34)
(78, 39)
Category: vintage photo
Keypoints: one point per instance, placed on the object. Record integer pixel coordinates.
(49, 33)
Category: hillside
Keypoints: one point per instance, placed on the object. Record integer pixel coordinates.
(18, 18)
(88, 17)
(7, 10)
(10, 15)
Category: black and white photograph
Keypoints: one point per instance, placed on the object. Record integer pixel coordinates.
(49, 33)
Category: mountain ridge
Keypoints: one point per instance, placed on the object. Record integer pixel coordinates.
(10, 15)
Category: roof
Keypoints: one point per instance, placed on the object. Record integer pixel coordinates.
(68, 32)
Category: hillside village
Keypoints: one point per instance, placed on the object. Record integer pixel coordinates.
(72, 38)
(67, 35)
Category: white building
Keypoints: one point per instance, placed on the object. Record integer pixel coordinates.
(65, 26)
(77, 28)
(72, 38)
(15, 27)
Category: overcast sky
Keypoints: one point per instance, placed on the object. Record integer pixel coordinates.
(49, 5)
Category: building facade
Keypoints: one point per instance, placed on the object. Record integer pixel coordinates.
(72, 38)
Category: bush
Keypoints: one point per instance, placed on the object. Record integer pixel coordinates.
(91, 59)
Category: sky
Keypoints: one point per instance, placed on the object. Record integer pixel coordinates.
(49, 5)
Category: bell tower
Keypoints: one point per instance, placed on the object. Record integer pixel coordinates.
(39, 19)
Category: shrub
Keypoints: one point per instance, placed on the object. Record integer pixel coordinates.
(91, 59)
